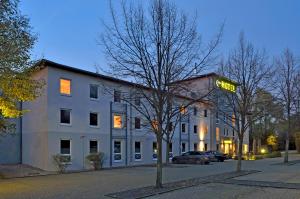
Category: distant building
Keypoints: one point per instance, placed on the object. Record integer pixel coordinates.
(75, 116)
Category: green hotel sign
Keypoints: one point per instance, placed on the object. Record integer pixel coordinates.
(226, 85)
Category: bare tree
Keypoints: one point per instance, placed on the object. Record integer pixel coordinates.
(156, 48)
(286, 81)
(248, 67)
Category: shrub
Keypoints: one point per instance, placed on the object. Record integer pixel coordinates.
(96, 160)
(297, 141)
(61, 162)
(274, 154)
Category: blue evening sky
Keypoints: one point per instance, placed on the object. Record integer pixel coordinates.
(68, 29)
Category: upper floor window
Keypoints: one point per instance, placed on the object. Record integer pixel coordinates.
(183, 126)
(65, 86)
(93, 119)
(117, 96)
(93, 91)
(195, 129)
(65, 116)
(118, 121)
(183, 110)
(137, 100)
(195, 111)
(137, 123)
(217, 134)
(205, 113)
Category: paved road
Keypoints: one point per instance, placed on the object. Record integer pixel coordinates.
(94, 185)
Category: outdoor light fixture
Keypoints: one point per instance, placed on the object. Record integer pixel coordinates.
(263, 151)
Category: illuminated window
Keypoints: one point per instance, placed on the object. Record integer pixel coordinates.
(233, 120)
(154, 151)
(65, 86)
(93, 146)
(137, 151)
(154, 125)
(117, 151)
(217, 134)
(205, 129)
(183, 110)
(118, 121)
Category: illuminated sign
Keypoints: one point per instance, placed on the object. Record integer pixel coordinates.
(226, 85)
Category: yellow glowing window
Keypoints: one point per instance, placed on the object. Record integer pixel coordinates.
(117, 121)
(183, 110)
(65, 86)
(233, 120)
(217, 134)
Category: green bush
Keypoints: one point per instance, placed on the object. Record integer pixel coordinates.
(96, 160)
(274, 154)
(297, 141)
(61, 162)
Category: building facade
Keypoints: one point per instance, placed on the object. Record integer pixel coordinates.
(76, 116)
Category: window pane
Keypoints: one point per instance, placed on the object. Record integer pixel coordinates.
(183, 128)
(137, 147)
(137, 123)
(117, 96)
(93, 119)
(137, 100)
(94, 91)
(195, 147)
(93, 146)
(65, 116)
(182, 147)
(195, 128)
(65, 86)
(217, 134)
(117, 121)
(117, 147)
(65, 147)
(205, 113)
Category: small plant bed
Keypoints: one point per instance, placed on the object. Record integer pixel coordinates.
(274, 154)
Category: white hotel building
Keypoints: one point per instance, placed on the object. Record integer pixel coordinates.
(75, 116)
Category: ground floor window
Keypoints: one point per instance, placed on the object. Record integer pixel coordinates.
(183, 147)
(195, 147)
(154, 151)
(170, 150)
(217, 147)
(117, 151)
(65, 148)
(205, 147)
(93, 146)
(137, 151)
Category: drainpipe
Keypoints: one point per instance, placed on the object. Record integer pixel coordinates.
(126, 136)
(110, 136)
(21, 135)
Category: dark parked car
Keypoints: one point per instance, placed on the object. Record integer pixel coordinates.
(215, 156)
(191, 157)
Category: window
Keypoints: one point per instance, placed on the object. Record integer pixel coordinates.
(65, 116)
(205, 113)
(205, 147)
(118, 121)
(205, 129)
(93, 119)
(183, 149)
(154, 150)
(195, 129)
(137, 151)
(117, 96)
(65, 149)
(217, 147)
(93, 146)
(224, 132)
(137, 100)
(233, 133)
(183, 110)
(137, 123)
(93, 91)
(195, 111)
(170, 150)
(233, 120)
(217, 134)
(65, 86)
(170, 127)
(117, 151)
(183, 128)
(217, 118)
(195, 147)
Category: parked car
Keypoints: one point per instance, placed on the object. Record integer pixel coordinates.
(191, 157)
(215, 156)
(228, 156)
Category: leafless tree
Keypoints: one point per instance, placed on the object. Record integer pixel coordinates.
(286, 82)
(248, 67)
(156, 48)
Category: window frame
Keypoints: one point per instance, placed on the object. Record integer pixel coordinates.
(135, 123)
(64, 94)
(181, 128)
(93, 140)
(170, 150)
(60, 118)
(195, 129)
(183, 144)
(120, 153)
(122, 119)
(120, 96)
(205, 113)
(94, 126)
(64, 154)
(92, 98)
(197, 146)
(138, 153)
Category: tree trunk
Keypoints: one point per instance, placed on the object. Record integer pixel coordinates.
(259, 144)
(287, 140)
(240, 153)
(254, 146)
(159, 163)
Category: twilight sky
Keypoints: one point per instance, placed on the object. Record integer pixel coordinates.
(68, 29)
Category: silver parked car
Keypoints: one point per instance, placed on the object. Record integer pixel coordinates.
(191, 157)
